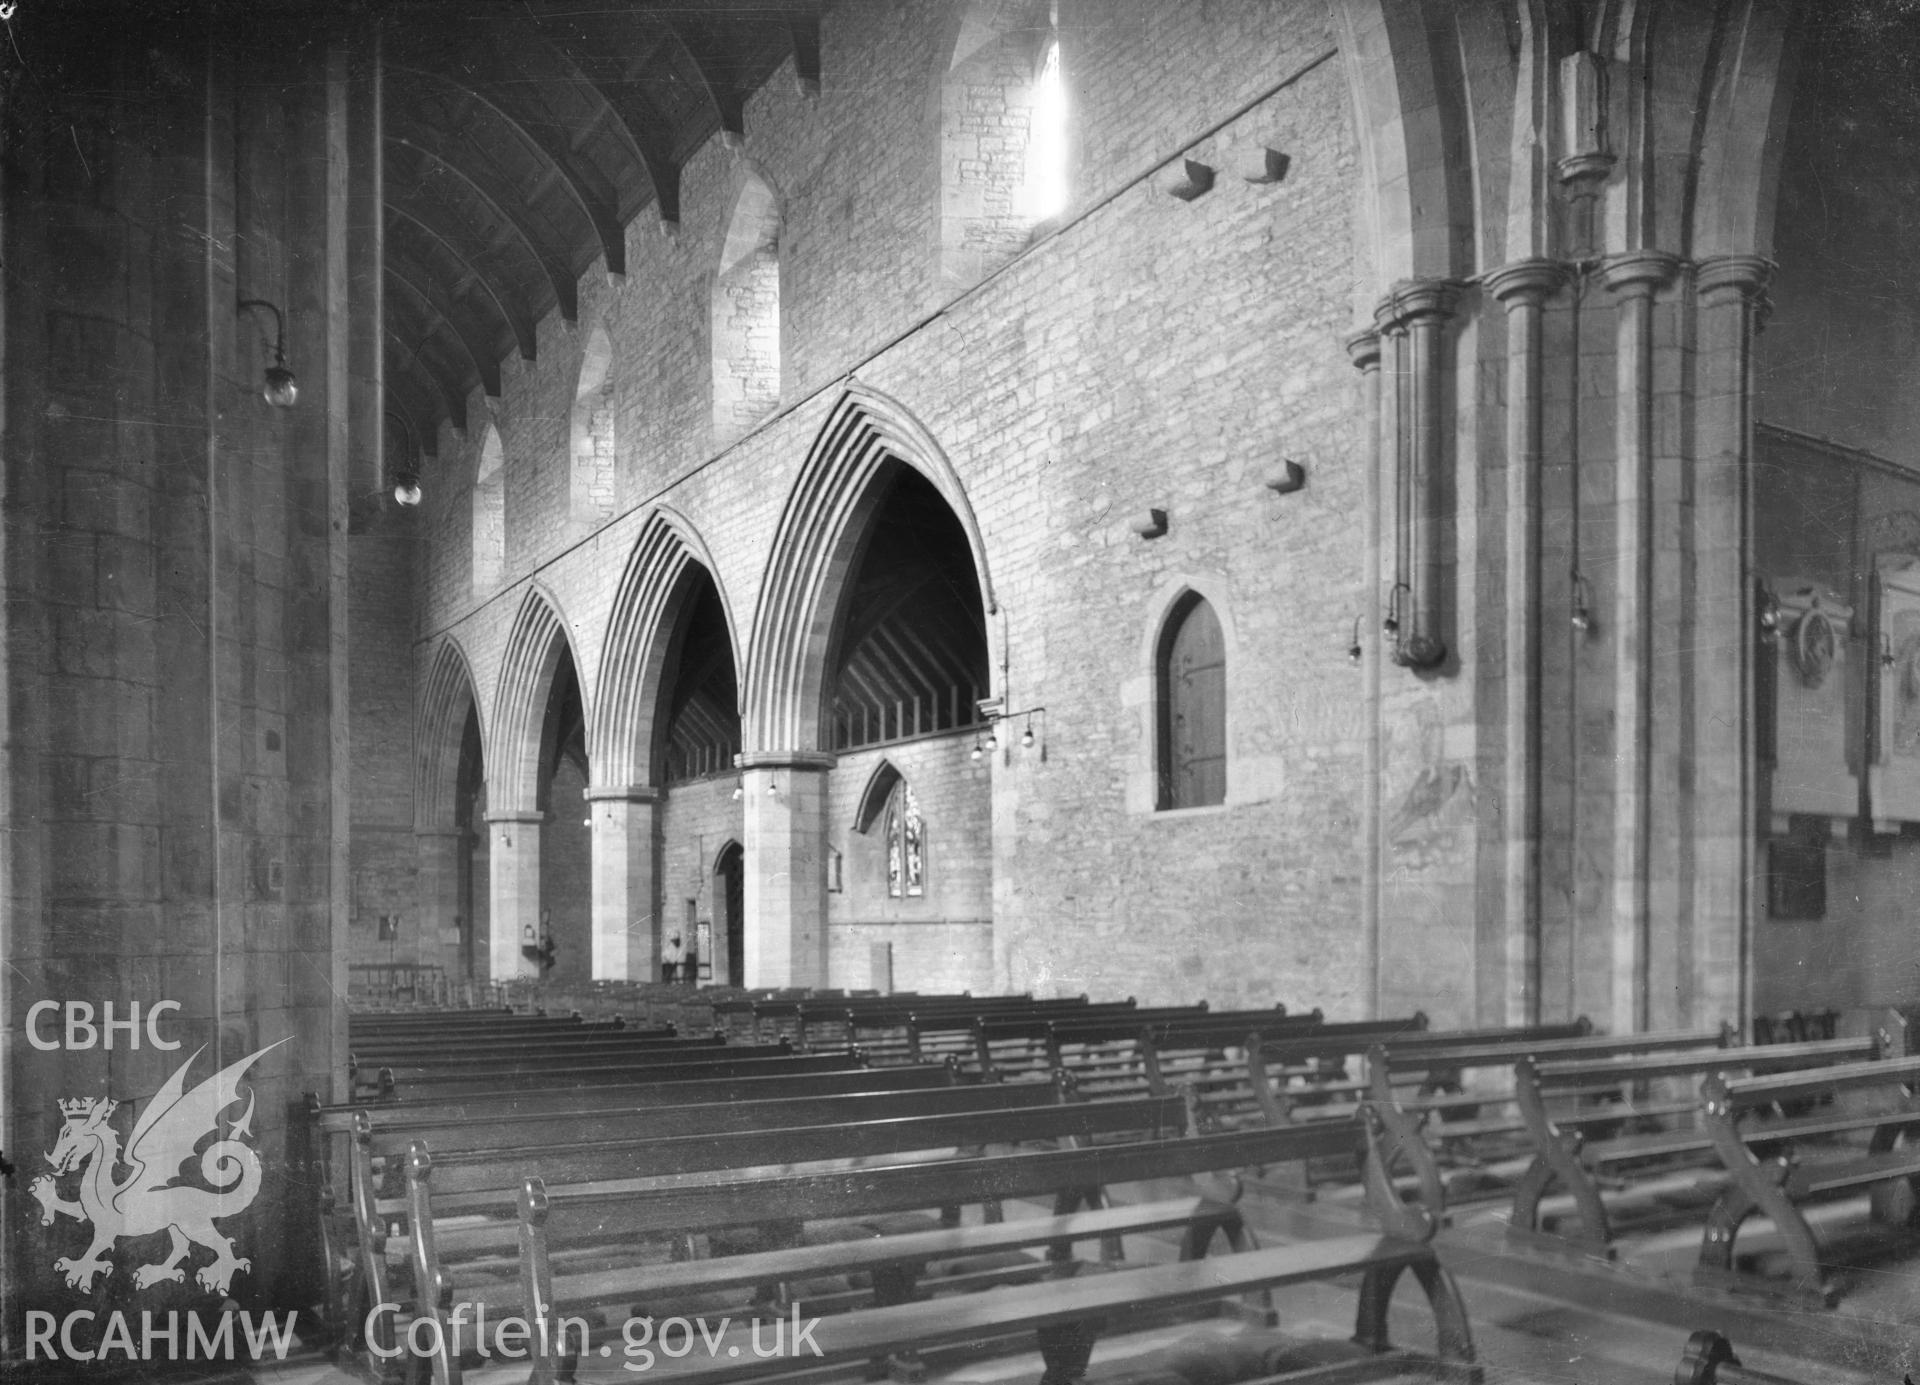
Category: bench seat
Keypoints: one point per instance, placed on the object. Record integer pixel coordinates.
(1775, 1166)
(1073, 1304)
(1564, 1156)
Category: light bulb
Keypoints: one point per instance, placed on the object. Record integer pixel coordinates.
(773, 788)
(738, 793)
(1353, 653)
(1026, 739)
(406, 491)
(993, 741)
(977, 751)
(1581, 620)
(279, 388)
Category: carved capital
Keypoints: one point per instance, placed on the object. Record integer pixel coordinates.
(1583, 173)
(1744, 276)
(620, 793)
(1638, 272)
(1529, 281)
(1414, 299)
(818, 760)
(1363, 348)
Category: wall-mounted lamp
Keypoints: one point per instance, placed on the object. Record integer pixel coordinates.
(738, 792)
(773, 788)
(992, 713)
(1353, 649)
(406, 490)
(1391, 625)
(277, 385)
(1768, 613)
(1582, 603)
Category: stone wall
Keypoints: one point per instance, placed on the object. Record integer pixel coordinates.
(1152, 354)
(176, 604)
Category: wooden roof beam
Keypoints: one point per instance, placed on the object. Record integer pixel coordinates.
(440, 307)
(566, 291)
(517, 316)
(451, 394)
(637, 118)
(485, 87)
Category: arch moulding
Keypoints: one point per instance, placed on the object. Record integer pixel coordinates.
(809, 562)
(534, 645)
(653, 590)
(450, 691)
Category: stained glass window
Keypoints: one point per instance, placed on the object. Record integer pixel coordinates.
(906, 844)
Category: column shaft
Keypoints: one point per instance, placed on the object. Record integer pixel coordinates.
(626, 903)
(1731, 292)
(786, 876)
(1634, 278)
(1364, 350)
(1524, 288)
(514, 892)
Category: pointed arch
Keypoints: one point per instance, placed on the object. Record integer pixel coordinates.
(1734, 179)
(534, 646)
(873, 799)
(450, 695)
(1410, 124)
(811, 554)
(655, 586)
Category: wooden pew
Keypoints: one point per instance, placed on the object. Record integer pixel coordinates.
(487, 1183)
(1012, 1047)
(732, 1061)
(413, 1021)
(369, 1054)
(1198, 1051)
(1460, 1123)
(937, 1033)
(1103, 1051)
(884, 1029)
(1564, 1158)
(786, 1017)
(1778, 1166)
(346, 1141)
(1065, 1312)
(1708, 1359)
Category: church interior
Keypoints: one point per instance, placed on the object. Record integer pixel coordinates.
(572, 570)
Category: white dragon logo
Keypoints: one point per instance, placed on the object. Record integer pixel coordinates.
(149, 1199)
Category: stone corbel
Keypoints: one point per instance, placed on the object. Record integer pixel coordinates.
(1412, 323)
